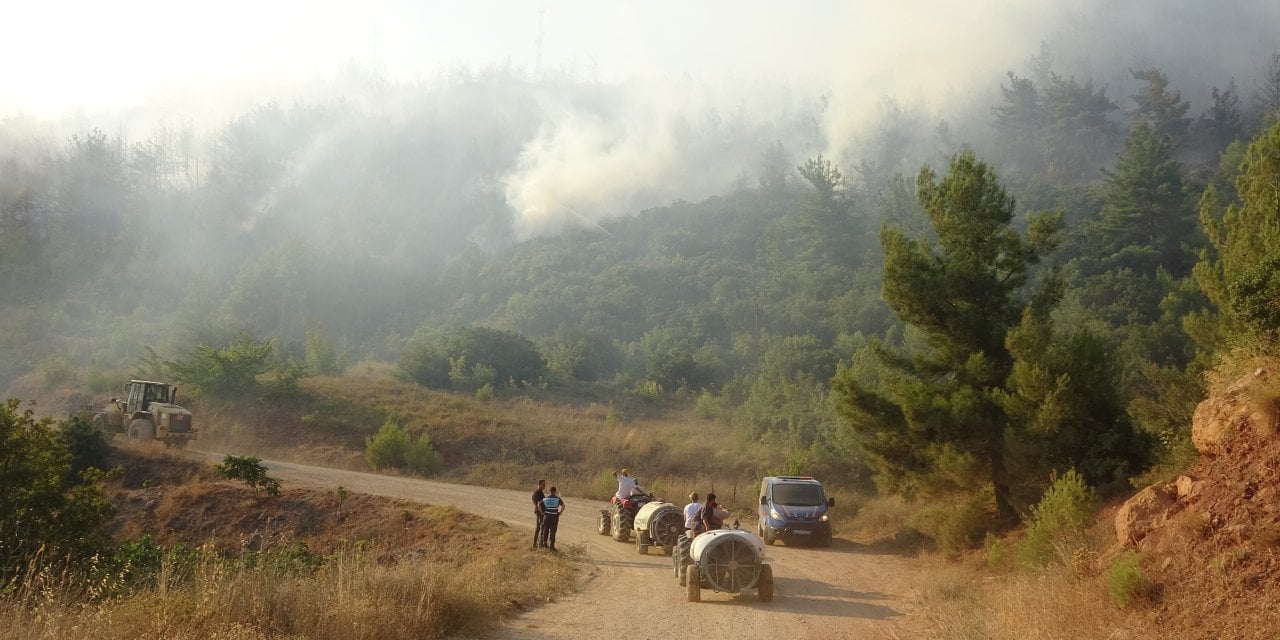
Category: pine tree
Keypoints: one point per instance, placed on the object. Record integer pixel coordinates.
(1238, 272)
(962, 292)
(1146, 216)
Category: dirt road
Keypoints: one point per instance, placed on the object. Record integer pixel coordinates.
(840, 592)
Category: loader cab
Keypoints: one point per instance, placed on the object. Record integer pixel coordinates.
(142, 393)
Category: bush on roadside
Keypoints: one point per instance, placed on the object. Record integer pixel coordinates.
(954, 525)
(422, 458)
(1125, 580)
(386, 449)
(394, 448)
(1056, 525)
(250, 470)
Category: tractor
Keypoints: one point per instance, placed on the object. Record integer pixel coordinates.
(619, 519)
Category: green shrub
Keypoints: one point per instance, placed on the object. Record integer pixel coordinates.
(1125, 581)
(709, 407)
(954, 525)
(388, 448)
(56, 371)
(421, 458)
(43, 512)
(227, 370)
(470, 357)
(86, 443)
(1056, 525)
(99, 381)
(250, 470)
(288, 374)
(650, 390)
(485, 393)
(323, 357)
(141, 563)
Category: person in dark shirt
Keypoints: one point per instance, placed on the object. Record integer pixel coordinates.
(712, 515)
(552, 507)
(538, 495)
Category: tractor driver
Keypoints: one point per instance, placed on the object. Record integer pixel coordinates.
(627, 485)
(155, 394)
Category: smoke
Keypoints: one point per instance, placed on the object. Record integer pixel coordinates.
(651, 144)
(638, 104)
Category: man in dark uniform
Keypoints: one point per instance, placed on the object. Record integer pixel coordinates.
(538, 495)
(552, 507)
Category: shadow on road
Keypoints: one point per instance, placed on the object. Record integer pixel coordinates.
(632, 565)
(815, 598)
(895, 547)
(812, 597)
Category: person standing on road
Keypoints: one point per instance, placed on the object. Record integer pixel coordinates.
(552, 506)
(691, 511)
(538, 495)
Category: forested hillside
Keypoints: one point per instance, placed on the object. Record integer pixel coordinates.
(1041, 296)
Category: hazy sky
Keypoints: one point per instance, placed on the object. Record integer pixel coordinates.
(942, 58)
(60, 54)
(63, 54)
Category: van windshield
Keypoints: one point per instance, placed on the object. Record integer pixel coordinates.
(798, 495)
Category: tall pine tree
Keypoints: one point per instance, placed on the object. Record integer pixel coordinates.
(962, 290)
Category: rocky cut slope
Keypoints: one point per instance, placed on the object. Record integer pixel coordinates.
(1210, 540)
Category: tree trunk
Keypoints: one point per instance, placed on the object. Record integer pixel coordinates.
(1000, 479)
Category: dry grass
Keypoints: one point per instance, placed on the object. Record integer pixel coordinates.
(352, 596)
(963, 603)
(354, 567)
(507, 441)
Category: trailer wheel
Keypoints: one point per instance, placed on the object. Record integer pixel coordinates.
(764, 584)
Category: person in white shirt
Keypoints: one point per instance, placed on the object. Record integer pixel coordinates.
(626, 485)
(691, 511)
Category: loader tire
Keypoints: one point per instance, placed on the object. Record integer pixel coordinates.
(142, 430)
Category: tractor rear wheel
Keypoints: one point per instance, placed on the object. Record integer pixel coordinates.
(623, 522)
(141, 430)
